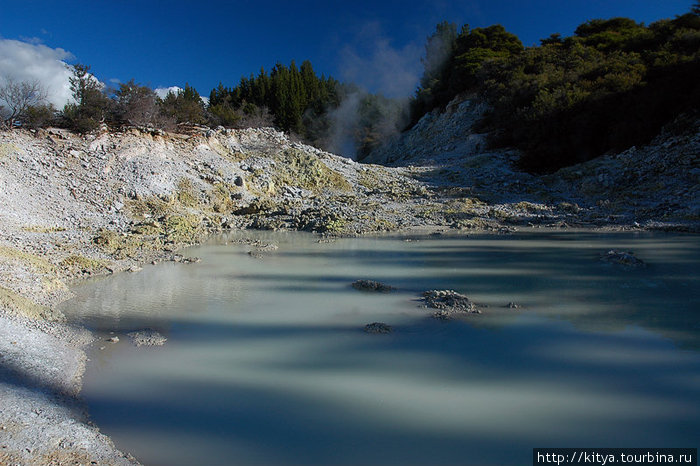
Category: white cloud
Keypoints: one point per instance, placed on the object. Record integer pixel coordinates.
(24, 61)
(163, 91)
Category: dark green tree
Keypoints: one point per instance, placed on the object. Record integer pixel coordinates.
(90, 106)
(39, 116)
(610, 34)
(437, 62)
(185, 106)
(612, 85)
(476, 47)
(467, 53)
(223, 114)
(553, 39)
(136, 104)
(294, 96)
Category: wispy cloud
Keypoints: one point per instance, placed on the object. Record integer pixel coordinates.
(31, 40)
(29, 61)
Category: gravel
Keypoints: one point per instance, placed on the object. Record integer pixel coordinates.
(41, 418)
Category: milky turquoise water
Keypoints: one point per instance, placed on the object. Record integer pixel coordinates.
(266, 361)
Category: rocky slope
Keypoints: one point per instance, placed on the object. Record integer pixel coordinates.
(655, 186)
(74, 206)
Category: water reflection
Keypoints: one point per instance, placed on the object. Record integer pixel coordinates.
(266, 361)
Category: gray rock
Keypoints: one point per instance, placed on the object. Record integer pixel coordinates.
(624, 258)
(449, 304)
(265, 247)
(378, 328)
(371, 285)
(147, 337)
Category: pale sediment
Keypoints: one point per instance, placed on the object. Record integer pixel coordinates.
(42, 420)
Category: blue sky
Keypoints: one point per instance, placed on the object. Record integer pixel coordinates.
(166, 43)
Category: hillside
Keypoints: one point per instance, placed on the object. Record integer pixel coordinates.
(654, 186)
(613, 84)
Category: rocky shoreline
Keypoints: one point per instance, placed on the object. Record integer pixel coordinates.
(78, 206)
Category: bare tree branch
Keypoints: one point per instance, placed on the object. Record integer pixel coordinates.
(18, 97)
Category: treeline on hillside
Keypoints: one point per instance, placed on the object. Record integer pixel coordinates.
(611, 85)
(294, 96)
(317, 109)
(93, 104)
(289, 98)
(321, 110)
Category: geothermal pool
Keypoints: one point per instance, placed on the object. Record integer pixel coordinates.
(267, 362)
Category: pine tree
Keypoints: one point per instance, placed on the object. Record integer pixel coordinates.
(294, 95)
(185, 107)
(91, 104)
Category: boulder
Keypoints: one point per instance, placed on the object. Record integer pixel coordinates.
(625, 258)
(371, 285)
(147, 337)
(378, 327)
(449, 304)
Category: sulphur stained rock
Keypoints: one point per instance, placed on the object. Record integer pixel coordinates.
(449, 304)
